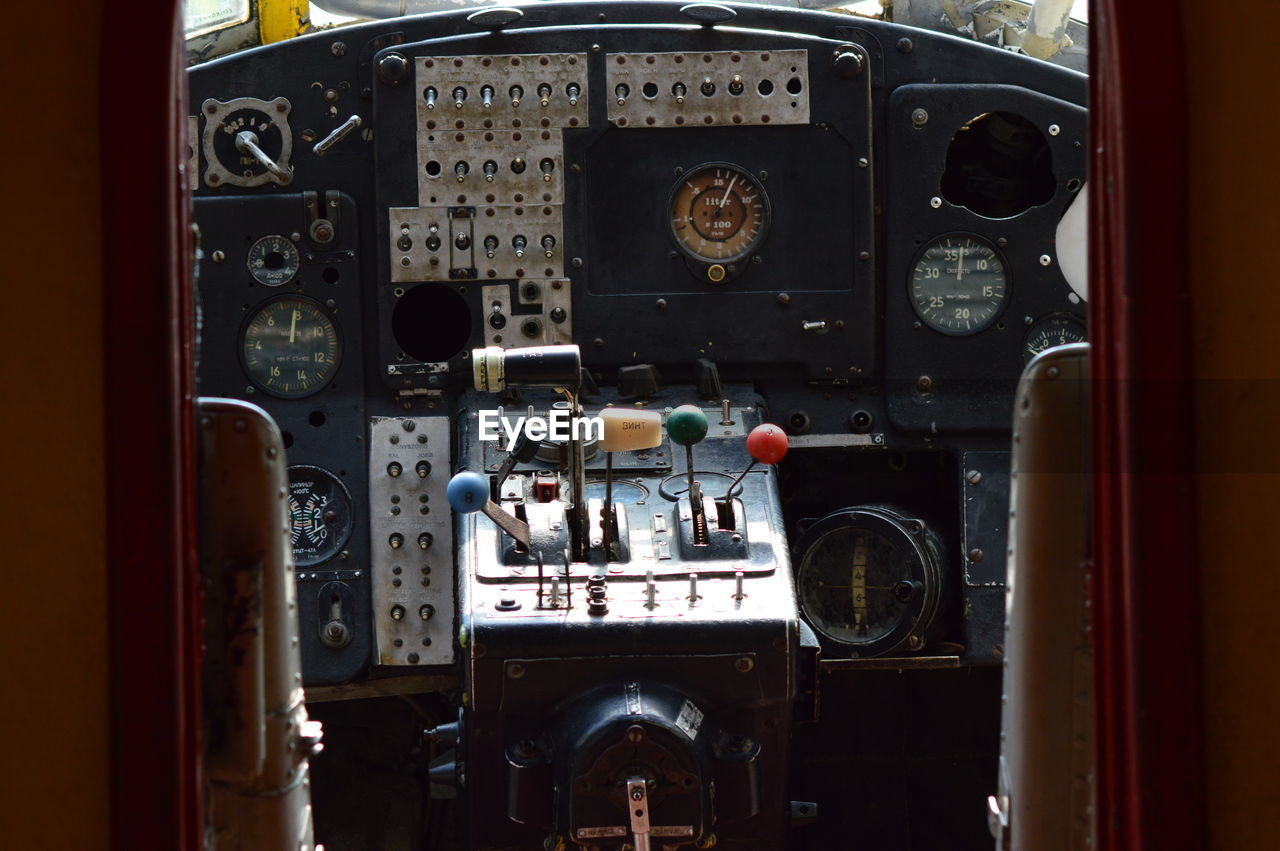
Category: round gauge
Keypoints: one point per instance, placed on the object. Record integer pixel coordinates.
(718, 213)
(958, 285)
(320, 512)
(1051, 331)
(273, 261)
(869, 581)
(290, 347)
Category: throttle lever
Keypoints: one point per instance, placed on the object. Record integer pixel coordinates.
(469, 492)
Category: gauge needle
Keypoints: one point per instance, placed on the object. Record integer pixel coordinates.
(725, 200)
(960, 265)
(293, 326)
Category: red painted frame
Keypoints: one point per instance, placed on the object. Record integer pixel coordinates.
(1148, 676)
(153, 592)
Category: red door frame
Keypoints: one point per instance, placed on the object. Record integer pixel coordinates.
(154, 612)
(1148, 676)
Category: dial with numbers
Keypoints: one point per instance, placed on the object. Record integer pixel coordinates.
(1050, 332)
(273, 261)
(719, 213)
(290, 347)
(958, 284)
(320, 515)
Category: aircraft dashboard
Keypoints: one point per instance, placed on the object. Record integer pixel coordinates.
(740, 216)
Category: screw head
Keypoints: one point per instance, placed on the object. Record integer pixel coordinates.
(919, 116)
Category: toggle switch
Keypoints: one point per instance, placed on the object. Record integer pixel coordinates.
(468, 492)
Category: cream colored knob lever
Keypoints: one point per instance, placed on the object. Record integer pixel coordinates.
(626, 429)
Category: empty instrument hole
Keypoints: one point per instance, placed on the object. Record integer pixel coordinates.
(765, 88)
(794, 86)
(329, 275)
(431, 322)
(998, 165)
(316, 418)
(649, 90)
(433, 169)
(288, 438)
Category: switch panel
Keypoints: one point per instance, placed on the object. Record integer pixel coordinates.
(412, 540)
(717, 88)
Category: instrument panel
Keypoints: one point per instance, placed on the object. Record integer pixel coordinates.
(834, 229)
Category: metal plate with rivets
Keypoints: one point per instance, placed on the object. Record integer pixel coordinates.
(719, 88)
(490, 230)
(412, 575)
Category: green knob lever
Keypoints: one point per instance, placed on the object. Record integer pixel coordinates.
(687, 425)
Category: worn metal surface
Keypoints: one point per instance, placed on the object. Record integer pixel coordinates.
(716, 88)
(532, 109)
(464, 240)
(1046, 761)
(258, 739)
(503, 167)
(276, 112)
(407, 576)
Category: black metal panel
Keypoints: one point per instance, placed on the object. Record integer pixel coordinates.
(972, 378)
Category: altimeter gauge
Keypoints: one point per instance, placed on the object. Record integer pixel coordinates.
(290, 347)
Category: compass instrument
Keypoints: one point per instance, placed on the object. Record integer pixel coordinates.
(290, 347)
(958, 284)
(869, 581)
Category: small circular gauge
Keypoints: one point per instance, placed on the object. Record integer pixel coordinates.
(290, 347)
(958, 284)
(320, 512)
(869, 581)
(718, 213)
(1051, 331)
(273, 261)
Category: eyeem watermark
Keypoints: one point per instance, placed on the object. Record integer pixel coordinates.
(559, 426)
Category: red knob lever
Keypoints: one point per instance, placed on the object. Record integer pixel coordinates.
(767, 443)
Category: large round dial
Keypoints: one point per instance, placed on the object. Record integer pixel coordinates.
(290, 347)
(273, 261)
(320, 515)
(1050, 332)
(958, 284)
(718, 213)
(868, 581)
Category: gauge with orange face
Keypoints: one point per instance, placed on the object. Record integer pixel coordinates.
(719, 213)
